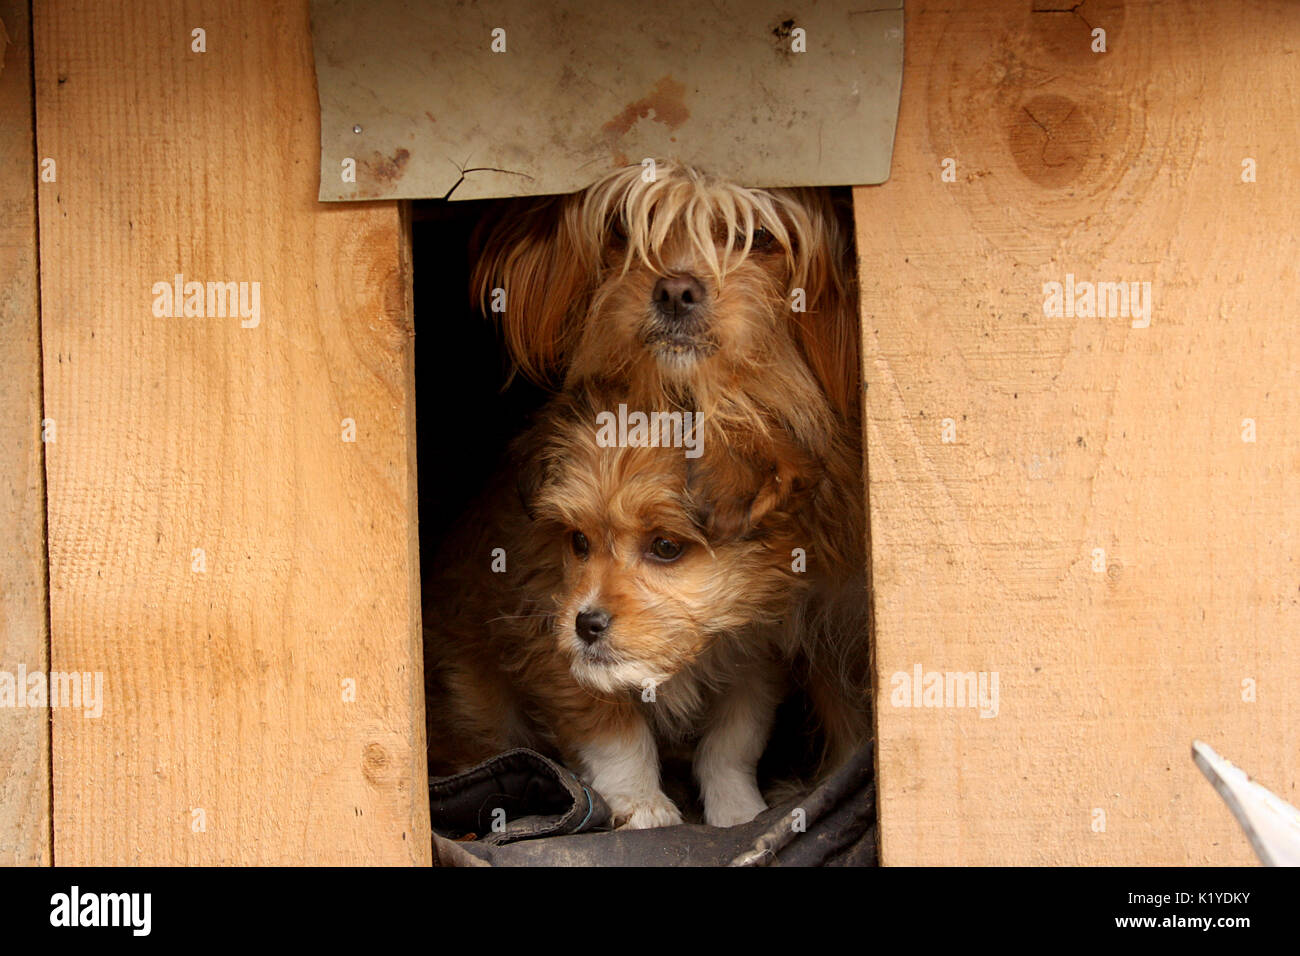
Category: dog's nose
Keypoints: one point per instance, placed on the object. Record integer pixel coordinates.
(675, 297)
(591, 625)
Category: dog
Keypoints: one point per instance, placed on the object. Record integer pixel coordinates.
(691, 292)
(621, 614)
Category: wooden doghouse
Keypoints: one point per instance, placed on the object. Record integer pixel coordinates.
(1096, 507)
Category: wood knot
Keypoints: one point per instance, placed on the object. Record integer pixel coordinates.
(375, 763)
(1114, 571)
(1050, 137)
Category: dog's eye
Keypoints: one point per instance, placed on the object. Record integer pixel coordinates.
(760, 240)
(580, 545)
(618, 229)
(666, 549)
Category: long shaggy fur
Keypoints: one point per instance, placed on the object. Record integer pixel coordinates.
(777, 387)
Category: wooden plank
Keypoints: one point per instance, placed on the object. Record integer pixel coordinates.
(217, 550)
(1076, 433)
(24, 612)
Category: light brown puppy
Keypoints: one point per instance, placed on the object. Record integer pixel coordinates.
(619, 615)
(690, 292)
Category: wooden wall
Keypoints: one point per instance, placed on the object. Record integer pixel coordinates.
(24, 615)
(1074, 434)
(217, 549)
(231, 565)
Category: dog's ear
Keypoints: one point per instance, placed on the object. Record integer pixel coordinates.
(829, 332)
(534, 469)
(536, 455)
(534, 277)
(533, 458)
(740, 489)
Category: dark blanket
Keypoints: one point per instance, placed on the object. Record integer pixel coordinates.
(552, 819)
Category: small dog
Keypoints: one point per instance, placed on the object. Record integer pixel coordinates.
(624, 614)
(690, 292)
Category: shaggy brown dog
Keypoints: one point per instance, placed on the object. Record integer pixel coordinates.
(619, 613)
(693, 293)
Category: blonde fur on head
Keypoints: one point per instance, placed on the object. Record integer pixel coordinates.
(686, 200)
(563, 262)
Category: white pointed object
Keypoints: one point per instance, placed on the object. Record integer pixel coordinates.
(1271, 824)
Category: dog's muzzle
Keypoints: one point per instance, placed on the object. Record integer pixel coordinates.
(678, 323)
(678, 300)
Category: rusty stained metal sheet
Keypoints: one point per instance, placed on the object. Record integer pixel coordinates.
(414, 96)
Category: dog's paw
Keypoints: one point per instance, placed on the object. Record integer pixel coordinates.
(732, 808)
(642, 813)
